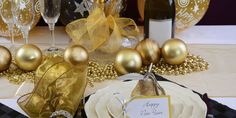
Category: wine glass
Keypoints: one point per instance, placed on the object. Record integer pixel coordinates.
(7, 17)
(50, 11)
(23, 13)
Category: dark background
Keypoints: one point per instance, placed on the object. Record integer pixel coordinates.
(220, 12)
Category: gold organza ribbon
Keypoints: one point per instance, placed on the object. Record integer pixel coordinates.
(99, 31)
(60, 86)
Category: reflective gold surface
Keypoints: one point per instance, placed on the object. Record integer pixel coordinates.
(174, 51)
(5, 58)
(28, 57)
(149, 51)
(128, 61)
(76, 55)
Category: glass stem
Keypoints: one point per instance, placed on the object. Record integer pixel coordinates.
(26, 36)
(51, 28)
(11, 32)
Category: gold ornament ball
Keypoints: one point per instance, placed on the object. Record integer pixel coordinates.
(28, 57)
(128, 61)
(174, 51)
(149, 51)
(5, 58)
(76, 55)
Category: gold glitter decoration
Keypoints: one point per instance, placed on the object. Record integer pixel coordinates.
(188, 12)
(191, 64)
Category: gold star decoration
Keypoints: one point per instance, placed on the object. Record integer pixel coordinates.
(196, 7)
(22, 5)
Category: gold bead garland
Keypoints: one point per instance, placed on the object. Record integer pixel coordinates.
(16, 75)
(98, 72)
(191, 64)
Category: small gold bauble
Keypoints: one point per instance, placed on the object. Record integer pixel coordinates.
(28, 57)
(174, 51)
(5, 58)
(76, 55)
(149, 51)
(128, 61)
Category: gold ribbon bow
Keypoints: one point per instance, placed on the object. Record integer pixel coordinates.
(60, 86)
(102, 32)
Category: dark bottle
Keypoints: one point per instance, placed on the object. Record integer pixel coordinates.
(159, 20)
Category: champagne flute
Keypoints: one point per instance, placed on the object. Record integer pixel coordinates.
(7, 17)
(50, 11)
(23, 13)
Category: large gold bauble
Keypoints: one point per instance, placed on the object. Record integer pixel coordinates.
(174, 51)
(28, 57)
(76, 55)
(4, 29)
(5, 58)
(149, 51)
(128, 61)
(188, 12)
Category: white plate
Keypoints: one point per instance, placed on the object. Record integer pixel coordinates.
(96, 104)
(199, 107)
(185, 103)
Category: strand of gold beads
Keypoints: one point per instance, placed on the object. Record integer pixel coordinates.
(98, 72)
(191, 64)
(16, 75)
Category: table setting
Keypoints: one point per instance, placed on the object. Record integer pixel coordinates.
(100, 64)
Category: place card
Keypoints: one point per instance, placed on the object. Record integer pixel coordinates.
(149, 107)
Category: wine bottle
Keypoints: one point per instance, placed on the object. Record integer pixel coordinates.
(159, 20)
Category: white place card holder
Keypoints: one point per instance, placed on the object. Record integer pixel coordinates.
(149, 107)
